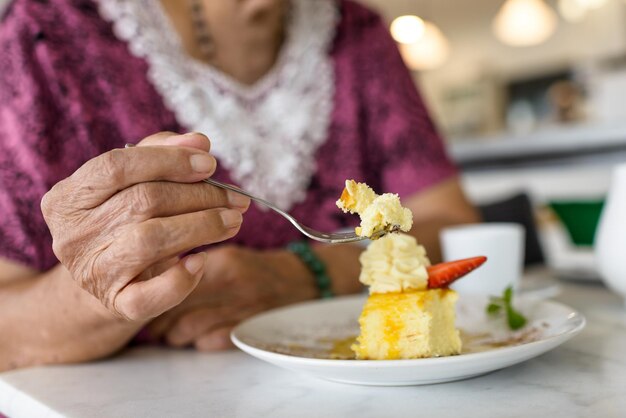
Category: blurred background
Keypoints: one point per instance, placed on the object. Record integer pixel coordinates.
(516, 66)
(531, 98)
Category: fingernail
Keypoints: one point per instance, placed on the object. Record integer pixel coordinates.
(175, 139)
(231, 218)
(190, 134)
(237, 200)
(203, 163)
(195, 262)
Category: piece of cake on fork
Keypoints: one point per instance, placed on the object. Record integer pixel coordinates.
(377, 212)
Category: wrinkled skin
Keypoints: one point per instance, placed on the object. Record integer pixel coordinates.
(121, 220)
(237, 283)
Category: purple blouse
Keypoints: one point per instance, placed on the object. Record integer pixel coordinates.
(70, 90)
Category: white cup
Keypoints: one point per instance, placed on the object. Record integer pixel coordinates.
(501, 243)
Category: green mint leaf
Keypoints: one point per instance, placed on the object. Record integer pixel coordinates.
(515, 319)
(493, 308)
(497, 305)
(507, 296)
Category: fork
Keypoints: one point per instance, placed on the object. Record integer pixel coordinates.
(331, 238)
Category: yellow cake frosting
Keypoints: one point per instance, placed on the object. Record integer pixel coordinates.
(377, 213)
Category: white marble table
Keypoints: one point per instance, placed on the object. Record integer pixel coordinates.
(586, 377)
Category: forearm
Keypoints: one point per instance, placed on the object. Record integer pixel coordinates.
(48, 319)
(343, 266)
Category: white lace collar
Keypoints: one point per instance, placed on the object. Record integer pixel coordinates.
(267, 134)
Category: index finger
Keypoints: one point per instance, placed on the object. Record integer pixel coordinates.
(191, 140)
(103, 176)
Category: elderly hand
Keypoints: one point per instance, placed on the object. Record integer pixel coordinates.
(237, 283)
(121, 220)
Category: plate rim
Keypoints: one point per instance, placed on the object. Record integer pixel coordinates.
(574, 315)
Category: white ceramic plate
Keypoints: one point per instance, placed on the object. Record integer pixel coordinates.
(301, 338)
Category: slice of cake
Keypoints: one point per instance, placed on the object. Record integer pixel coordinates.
(410, 311)
(408, 325)
(378, 213)
(402, 318)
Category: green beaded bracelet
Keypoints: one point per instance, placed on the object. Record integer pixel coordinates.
(304, 252)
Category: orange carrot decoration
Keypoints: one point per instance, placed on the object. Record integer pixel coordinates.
(443, 274)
